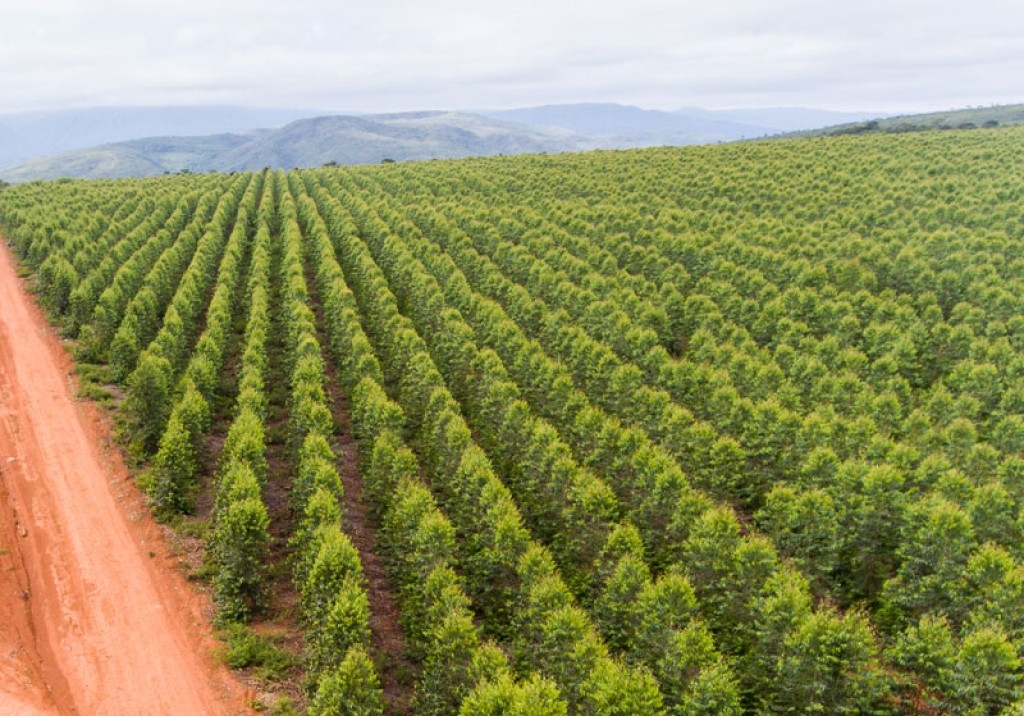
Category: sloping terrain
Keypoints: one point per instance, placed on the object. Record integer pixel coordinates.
(363, 139)
(305, 143)
(970, 118)
(621, 126)
(136, 158)
(405, 136)
(25, 136)
(781, 119)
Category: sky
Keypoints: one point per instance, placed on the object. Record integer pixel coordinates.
(393, 55)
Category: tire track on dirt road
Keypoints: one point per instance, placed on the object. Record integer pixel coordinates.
(94, 619)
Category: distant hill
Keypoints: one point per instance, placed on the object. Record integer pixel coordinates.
(780, 119)
(107, 143)
(405, 136)
(137, 158)
(617, 126)
(970, 118)
(303, 143)
(29, 135)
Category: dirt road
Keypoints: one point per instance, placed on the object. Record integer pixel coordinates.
(94, 620)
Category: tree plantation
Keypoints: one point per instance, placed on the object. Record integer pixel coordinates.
(733, 429)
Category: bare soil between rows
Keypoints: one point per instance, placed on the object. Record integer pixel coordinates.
(95, 617)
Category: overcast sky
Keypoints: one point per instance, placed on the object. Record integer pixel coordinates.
(389, 55)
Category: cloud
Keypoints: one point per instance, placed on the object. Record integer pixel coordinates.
(397, 54)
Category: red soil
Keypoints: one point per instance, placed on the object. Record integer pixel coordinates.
(94, 617)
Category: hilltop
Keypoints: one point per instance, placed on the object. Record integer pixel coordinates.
(137, 142)
(305, 142)
(969, 118)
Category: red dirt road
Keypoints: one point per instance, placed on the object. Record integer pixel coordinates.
(94, 619)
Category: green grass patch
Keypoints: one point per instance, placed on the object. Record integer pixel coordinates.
(93, 383)
(95, 393)
(245, 649)
(281, 706)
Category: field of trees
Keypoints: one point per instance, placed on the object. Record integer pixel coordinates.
(707, 430)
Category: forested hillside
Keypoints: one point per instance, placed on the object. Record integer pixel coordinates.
(1006, 115)
(705, 430)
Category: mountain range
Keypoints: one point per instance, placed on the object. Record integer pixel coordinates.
(95, 143)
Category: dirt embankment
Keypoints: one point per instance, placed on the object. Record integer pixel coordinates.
(94, 618)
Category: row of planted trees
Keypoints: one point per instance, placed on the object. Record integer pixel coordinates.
(505, 571)
(564, 499)
(863, 508)
(704, 431)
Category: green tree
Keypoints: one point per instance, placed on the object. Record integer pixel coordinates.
(805, 526)
(617, 690)
(124, 348)
(240, 548)
(987, 674)
(245, 444)
(936, 541)
(321, 509)
(872, 506)
(693, 677)
(335, 562)
(449, 672)
(57, 279)
(926, 650)
(783, 604)
(536, 696)
(993, 515)
(830, 666)
(995, 591)
(663, 607)
(147, 402)
(616, 609)
(349, 689)
(714, 692)
(174, 469)
(315, 470)
(346, 625)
